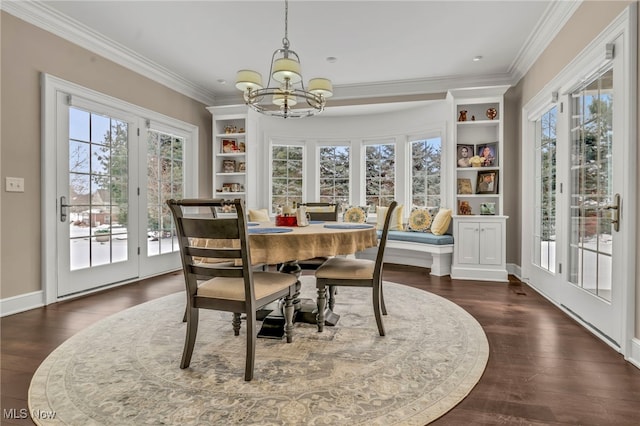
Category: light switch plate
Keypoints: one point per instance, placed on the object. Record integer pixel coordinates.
(14, 184)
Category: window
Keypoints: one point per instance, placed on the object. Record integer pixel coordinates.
(545, 194)
(287, 175)
(334, 174)
(380, 174)
(164, 182)
(426, 163)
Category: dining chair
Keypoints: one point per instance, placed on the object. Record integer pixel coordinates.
(340, 271)
(234, 287)
(321, 211)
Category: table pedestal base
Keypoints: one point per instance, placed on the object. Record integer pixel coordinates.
(273, 319)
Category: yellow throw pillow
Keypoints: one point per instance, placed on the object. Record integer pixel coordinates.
(440, 224)
(355, 214)
(396, 218)
(419, 220)
(261, 215)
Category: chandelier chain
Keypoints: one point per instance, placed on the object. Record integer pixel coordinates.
(285, 40)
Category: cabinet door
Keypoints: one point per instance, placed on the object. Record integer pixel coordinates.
(490, 243)
(468, 243)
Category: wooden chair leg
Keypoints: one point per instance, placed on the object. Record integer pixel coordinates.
(376, 309)
(288, 318)
(190, 339)
(251, 345)
(333, 290)
(384, 307)
(322, 304)
(236, 323)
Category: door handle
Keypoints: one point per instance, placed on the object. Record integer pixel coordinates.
(615, 221)
(63, 208)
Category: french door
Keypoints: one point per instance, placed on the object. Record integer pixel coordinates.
(108, 169)
(97, 234)
(581, 247)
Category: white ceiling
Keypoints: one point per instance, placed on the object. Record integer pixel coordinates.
(383, 48)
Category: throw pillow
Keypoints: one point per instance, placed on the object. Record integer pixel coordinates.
(419, 220)
(441, 222)
(355, 214)
(396, 218)
(260, 215)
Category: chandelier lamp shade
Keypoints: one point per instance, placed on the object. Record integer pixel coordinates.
(286, 88)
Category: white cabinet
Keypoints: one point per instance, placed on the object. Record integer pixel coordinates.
(230, 145)
(477, 141)
(479, 252)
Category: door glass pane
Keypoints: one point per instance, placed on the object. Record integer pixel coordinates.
(545, 195)
(164, 182)
(591, 186)
(98, 190)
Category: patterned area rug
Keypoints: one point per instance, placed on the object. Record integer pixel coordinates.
(124, 370)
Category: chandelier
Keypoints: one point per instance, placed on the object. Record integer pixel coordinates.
(287, 90)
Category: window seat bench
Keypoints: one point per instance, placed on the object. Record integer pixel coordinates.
(421, 249)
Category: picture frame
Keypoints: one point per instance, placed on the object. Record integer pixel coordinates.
(487, 182)
(241, 166)
(464, 153)
(228, 166)
(227, 187)
(488, 153)
(229, 146)
(464, 186)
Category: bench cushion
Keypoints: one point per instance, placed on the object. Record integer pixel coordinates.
(419, 237)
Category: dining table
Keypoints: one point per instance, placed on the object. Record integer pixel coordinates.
(286, 245)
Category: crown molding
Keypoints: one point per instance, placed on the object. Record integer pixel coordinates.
(49, 19)
(343, 94)
(547, 28)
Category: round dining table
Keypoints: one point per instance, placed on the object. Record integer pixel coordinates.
(274, 245)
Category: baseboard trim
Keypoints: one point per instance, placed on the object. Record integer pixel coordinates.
(515, 270)
(21, 303)
(634, 357)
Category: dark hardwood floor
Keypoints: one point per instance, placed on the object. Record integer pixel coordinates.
(543, 369)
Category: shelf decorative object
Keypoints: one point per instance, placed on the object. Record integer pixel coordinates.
(464, 208)
(491, 113)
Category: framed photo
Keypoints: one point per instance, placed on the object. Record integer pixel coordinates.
(464, 153)
(229, 166)
(488, 153)
(464, 186)
(487, 182)
(229, 145)
(241, 166)
(227, 187)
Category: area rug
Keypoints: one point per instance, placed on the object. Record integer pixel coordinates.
(124, 370)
